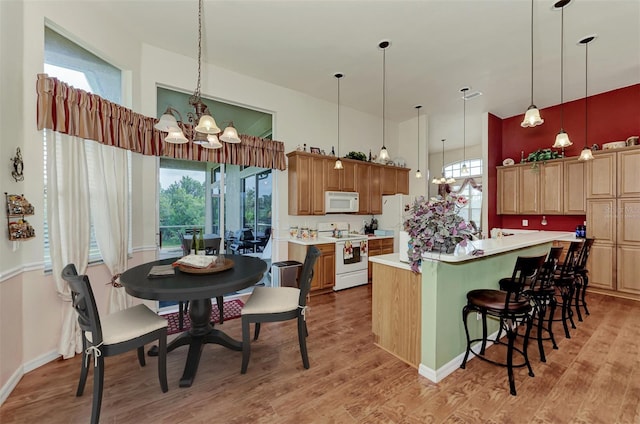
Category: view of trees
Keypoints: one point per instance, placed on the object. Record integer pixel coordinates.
(181, 206)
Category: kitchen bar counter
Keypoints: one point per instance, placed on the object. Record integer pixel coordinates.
(323, 240)
(436, 302)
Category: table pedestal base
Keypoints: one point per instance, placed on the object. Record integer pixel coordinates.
(201, 333)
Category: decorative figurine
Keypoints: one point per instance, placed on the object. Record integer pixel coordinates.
(18, 166)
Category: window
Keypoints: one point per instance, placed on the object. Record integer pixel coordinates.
(467, 185)
(75, 65)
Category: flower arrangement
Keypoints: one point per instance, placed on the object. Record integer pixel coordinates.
(435, 225)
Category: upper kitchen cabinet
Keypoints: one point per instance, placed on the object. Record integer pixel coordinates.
(299, 184)
(529, 191)
(601, 176)
(348, 176)
(368, 188)
(629, 173)
(508, 188)
(574, 188)
(395, 180)
(551, 184)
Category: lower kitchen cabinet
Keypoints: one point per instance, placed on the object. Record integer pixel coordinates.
(324, 271)
(628, 269)
(601, 266)
(381, 246)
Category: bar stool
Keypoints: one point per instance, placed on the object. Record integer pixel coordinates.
(582, 278)
(511, 307)
(542, 293)
(564, 281)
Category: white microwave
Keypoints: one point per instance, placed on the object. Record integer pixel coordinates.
(341, 202)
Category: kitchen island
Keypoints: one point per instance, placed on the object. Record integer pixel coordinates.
(418, 317)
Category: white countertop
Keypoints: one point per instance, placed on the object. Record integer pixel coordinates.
(390, 259)
(323, 240)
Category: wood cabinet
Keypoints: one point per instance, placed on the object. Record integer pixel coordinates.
(628, 216)
(629, 173)
(601, 266)
(601, 220)
(381, 246)
(508, 188)
(551, 188)
(324, 271)
(529, 190)
(628, 269)
(574, 198)
(310, 175)
(601, 176)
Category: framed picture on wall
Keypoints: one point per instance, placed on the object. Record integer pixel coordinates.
(315, 150)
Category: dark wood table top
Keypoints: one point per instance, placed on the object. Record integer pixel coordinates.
(183, 286)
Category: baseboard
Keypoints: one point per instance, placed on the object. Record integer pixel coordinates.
(451, 366)
(13, 381)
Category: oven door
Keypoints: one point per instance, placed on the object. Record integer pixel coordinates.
(351, 255)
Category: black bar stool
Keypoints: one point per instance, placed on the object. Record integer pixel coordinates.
(582, 278)
(511, 307)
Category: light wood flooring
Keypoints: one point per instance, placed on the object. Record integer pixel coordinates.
(594, 377)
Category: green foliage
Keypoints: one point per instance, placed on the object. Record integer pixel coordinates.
(181, 204)
(356, 156)
(542, 155)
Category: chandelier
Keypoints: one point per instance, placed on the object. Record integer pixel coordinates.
(206, 130)
(443, 179)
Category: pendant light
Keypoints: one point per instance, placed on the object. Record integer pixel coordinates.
(418, 173)
(532, 116)
(338, 164)
(586, 153)
(384, 154)
(443, 179)
(464, 170)
(562, 139)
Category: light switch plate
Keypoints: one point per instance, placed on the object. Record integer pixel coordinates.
(525, 222)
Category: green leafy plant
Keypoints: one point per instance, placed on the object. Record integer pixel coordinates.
(542, 155)
(357, 156)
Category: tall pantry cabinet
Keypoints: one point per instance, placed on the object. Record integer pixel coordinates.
(613, 220)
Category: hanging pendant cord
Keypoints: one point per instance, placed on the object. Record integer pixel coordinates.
(586, 82)
(464, 127)
(531, 51)
(338, 152)
(418, 107)
(384, 89)
(562, 69)
(196, 93)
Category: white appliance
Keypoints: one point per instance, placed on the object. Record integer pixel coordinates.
(352, 257)
(393, 213)
(341, 202)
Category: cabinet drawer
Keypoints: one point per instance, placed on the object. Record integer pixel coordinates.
(326, 248)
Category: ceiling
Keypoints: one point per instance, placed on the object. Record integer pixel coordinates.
(437, 47)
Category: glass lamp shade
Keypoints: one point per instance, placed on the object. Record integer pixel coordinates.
(212, 142)
(418, 174)
(338, 164)
(207, 125)
(166, 122)
(464, 170)
(176, 136)
(450, 181)
(562, 140)
(384, 155)
(585, 155)
(532, 117)
(230, 135)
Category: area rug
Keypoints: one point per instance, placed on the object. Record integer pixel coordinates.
(230, 308)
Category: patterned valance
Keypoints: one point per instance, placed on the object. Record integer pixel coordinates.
(69, 110)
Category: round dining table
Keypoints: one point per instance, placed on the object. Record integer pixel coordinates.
(198, 289)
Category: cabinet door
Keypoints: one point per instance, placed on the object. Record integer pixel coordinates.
(629, 173)
(332, 176)
(374, 250)
(508, 191)
(629, 221)
(328, 269)
(601, 266)
(388, 180)
(348, 176)
(375, 190)
(386, 246)
(551, 193)
(299, 185)
(601, 220)
(402, 181)
(601, 176)
(363, 186)
(628, 269)
(574, 188)
(318, 168)
(529, 190)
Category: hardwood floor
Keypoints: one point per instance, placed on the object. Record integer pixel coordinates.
(594, 377)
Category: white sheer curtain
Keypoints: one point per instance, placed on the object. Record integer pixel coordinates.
(69, 225)
(109, 182)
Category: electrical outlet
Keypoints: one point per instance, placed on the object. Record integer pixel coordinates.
(525, 222)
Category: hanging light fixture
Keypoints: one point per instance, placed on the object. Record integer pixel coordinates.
(206, 129)
(338, 164)
(384, 154)
(532, 116)
(562, 139)
(418, 173)
(586, 153)
(443, 179)
(464, 170)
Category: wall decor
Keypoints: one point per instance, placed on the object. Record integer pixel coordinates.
(17, 208)
(315, 150)
(18, 166)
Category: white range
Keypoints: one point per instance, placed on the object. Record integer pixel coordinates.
(351, 255)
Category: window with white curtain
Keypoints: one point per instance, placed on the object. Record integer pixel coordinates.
(472, 211)
(75, 65)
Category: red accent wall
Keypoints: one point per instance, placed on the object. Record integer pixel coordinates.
(495, 159)
(613, 116)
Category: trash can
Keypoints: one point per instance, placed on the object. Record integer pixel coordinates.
(285, 273)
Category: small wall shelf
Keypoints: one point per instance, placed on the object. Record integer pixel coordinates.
(17, 208)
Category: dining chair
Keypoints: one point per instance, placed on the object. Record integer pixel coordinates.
(115, 333)
(270, 304)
